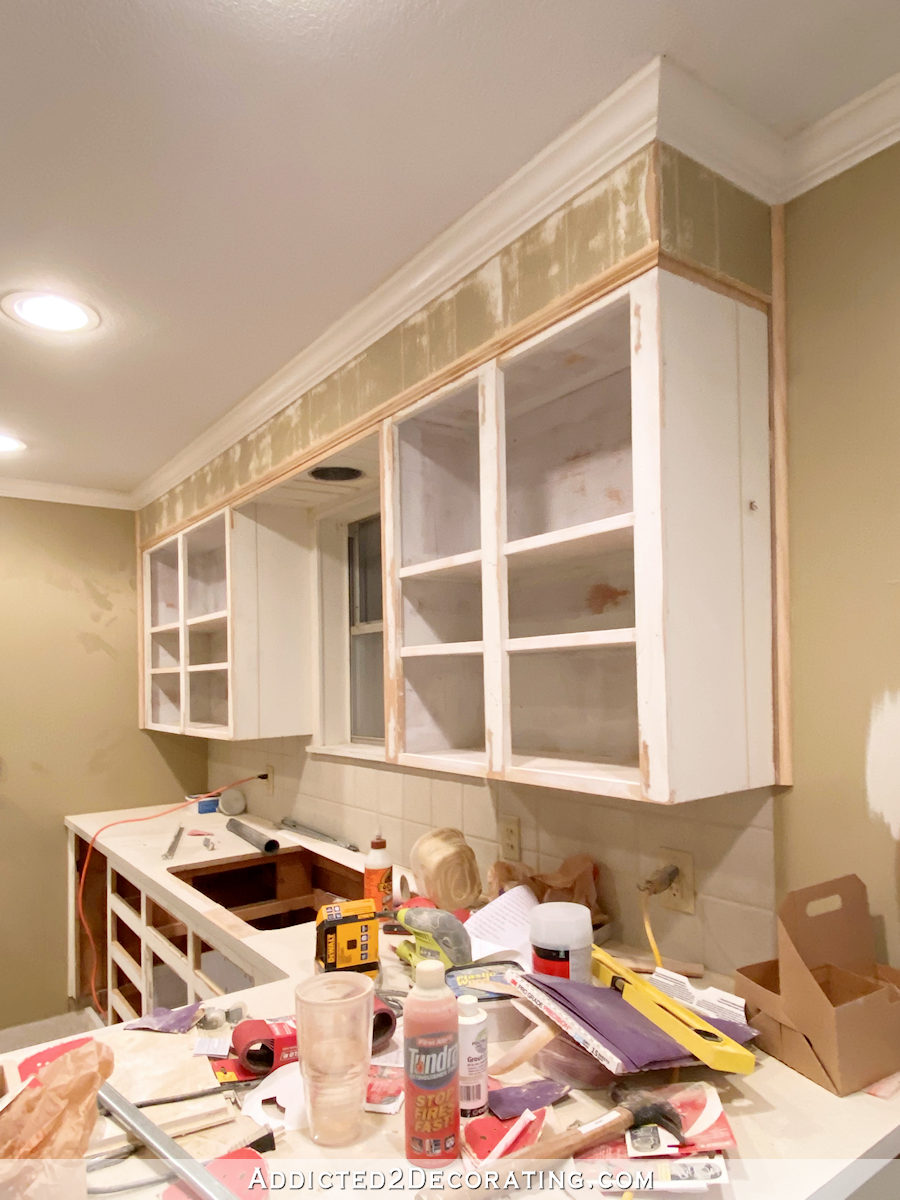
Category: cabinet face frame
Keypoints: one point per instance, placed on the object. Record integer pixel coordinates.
(182, 626)
(661, 686)
(332, 630)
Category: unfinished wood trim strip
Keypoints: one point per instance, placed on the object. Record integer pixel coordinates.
(120, 1006)
(143, 625)
(204, 987)
(623, 272)
(784, 771)
(394, 707)
(125, 913)
(494, 605)
(715, 280)
(168, 954)
(110, 967)
(72, 988)
(120, 956)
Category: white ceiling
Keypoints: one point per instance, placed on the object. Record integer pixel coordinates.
(223, 179)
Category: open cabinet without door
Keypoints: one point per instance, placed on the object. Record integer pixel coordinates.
(579, 588)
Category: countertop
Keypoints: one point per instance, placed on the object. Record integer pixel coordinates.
(795, 1140)
(136, 851)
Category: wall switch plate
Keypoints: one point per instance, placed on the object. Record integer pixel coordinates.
(269, 784)
(680, 896)
(509, 836)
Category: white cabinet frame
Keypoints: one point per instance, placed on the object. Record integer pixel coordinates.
(700, 533)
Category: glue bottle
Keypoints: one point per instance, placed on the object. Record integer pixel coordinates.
(377, 885)
(473, 1058)
(431, 1066)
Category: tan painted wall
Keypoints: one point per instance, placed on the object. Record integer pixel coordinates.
(69, 740)
(843, 277)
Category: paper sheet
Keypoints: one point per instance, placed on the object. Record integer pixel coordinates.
(502, 928)
(285, 1087)
(707, 1002)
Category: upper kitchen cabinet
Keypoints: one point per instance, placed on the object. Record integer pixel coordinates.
(227, 647)
(579, 581)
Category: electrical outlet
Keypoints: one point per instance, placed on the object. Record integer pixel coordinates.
(510, 839)
(269, 784)
(680, 896)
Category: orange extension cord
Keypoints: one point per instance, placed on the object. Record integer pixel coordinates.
(87, 858)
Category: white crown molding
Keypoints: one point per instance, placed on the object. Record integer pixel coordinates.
(64, 493)
(708, 128)
(844, 138)
(661, 100)
(623, 123)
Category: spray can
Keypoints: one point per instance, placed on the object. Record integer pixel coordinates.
(473, 1057)
(431, 1064)
(377, 885)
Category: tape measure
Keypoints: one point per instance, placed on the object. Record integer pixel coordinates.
(347, 937)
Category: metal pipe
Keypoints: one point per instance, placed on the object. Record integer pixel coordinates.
(254, 836)
(201, 1181)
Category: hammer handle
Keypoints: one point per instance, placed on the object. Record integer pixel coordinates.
(576, 1141)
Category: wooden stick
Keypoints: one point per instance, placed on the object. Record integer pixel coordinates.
(577, 1140)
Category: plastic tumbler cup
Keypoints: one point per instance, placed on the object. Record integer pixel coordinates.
(334, 1040)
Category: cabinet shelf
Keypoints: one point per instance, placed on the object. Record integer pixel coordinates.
(454, 566)
(165, 670)
(571, 641)
(216, 666)
(213, 618)
(442, 648)
(609, 533)
(169, 627)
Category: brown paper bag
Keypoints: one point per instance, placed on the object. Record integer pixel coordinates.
(575, 881)
(55, 1118)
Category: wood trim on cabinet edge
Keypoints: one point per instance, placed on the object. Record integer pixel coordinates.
(391, 557)
(716, 281)
(781, 642)
(142, 634)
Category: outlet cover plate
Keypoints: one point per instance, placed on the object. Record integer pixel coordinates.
(680, 896)
(510, 838)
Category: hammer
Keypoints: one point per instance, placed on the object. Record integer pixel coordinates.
(632, 1109)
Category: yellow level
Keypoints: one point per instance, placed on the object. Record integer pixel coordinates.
(685, 1027)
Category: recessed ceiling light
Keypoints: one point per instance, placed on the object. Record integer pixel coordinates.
(43, 310)
(9, 444)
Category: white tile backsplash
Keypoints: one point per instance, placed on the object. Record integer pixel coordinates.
(731, 838)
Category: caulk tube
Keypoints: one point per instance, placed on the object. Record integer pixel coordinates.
(473, 1057)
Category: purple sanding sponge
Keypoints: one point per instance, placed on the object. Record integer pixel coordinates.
(512, 1101)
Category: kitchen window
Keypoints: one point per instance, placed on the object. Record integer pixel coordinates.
(366, 630)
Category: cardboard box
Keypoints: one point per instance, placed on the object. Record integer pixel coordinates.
(825, 1007)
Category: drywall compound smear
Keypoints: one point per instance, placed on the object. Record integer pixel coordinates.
(883, 761)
